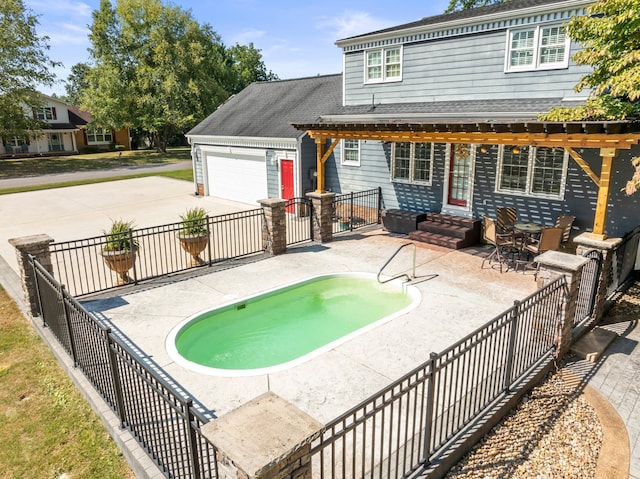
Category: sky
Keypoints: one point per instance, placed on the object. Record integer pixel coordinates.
(296, 38)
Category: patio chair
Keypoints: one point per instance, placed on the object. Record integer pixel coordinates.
(500, 241)
(549, 240)
(506, 217)
(565, 222)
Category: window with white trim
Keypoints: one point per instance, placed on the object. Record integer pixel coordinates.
(412, 162)
(99, 135)
(532, 171)
(383, 64)
(46, 113)
(537, 48)
(351, 152)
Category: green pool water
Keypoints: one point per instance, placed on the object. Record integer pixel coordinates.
(288, 324)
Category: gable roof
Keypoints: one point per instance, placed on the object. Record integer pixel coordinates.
(268, 109)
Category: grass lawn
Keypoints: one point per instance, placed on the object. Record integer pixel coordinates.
(47, 430)
(44, 165)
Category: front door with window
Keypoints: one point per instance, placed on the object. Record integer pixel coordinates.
(460, 178)
(55, 142)
(286, 182)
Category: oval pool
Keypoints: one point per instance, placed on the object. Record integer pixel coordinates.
(286, 326)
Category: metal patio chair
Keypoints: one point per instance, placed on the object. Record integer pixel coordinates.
(502, 242)
(565, 222)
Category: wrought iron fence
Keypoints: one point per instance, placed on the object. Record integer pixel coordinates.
(624, 260)
(588, 288)
(82, 266)
(355, 210)
(160, 416)
(404, 426)
(299, 224)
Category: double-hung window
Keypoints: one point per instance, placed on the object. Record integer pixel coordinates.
(537, 48)
(412, 162)
(383, 64)
(351, 152)
(46, 113)
(532, 171)
(99, 135)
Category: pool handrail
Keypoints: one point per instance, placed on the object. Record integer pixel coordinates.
(409, 278)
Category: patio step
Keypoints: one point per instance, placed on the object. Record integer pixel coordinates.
(454, 232)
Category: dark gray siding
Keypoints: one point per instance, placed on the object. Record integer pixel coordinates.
(464, 68)
(580, 193)
(308, 163)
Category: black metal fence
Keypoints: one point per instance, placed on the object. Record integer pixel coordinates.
(356, 209)
(624, 260)
(588, 288)
(82, 267)
(160, 415)
(299, 213)
(404, 426)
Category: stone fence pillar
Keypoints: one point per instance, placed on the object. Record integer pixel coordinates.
(38, 246)
(554, 264)
(586, 242)
(266, 438)
(322, 216)
(274, 230)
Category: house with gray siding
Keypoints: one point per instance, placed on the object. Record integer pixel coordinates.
(248, 150)
(496, 68)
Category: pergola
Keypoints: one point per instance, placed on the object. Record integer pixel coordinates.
(608, 137)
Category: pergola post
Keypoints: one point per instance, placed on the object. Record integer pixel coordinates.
(320, 165)
(608, 154)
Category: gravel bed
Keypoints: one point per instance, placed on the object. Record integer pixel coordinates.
(553, 433)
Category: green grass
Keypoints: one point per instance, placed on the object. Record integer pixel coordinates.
(47, 429)
(44, 165)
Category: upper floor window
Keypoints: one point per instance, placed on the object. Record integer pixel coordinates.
(99, 135)
(383, 64)
(532, 171)
(412, 162)
(46, 113)
(537, 48)
(351, 152)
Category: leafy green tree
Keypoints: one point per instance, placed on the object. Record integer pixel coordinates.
(458, 5)
(248, 67)
(155, 68)
(24, 66)
(77, 83)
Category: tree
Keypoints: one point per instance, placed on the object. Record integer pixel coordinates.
(155, 68)
(458, 5)
(609, 36)
(248, 67)
(24, 66)
(77, 82)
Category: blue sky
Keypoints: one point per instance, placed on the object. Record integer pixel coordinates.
(296, 38)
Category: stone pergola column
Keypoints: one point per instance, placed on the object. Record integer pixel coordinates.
(554, 264)
(586, 242)
(322, 216)
(274, 230)
(266, 438)
(37, 246)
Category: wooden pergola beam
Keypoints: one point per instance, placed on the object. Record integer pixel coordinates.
(583, 164)
(608, 154)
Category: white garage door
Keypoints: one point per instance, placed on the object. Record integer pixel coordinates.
(240, 178)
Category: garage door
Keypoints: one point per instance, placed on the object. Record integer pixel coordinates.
(240, 178)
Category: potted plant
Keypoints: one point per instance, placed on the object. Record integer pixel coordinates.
(193, 235)
(119, 250)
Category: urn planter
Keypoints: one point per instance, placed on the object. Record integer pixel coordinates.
(194, 245)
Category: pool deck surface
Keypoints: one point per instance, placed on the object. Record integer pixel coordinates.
(457, 297)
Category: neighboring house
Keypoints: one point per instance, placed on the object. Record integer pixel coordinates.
(442, 113)
(64, 131)
(248, 150)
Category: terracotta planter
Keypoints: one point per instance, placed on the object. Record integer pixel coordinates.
(194, 245)
(120, 262)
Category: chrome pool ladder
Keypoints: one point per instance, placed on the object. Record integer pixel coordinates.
(409, 278)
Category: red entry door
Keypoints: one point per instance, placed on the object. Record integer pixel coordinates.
(286, 182)
(459, 174)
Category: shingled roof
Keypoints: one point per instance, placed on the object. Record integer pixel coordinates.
(268, 109)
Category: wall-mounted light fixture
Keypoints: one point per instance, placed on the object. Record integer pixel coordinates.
(484, 149)
(515, 150)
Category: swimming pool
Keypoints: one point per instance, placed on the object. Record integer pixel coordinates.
(287, 326)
